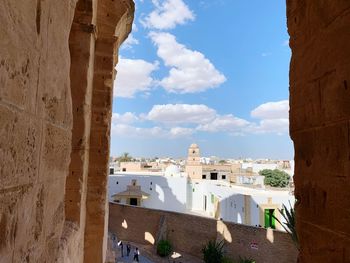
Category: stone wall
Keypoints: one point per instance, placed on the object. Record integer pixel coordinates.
(56, 75)
(53, 111)
(189, 233)
(320, 127)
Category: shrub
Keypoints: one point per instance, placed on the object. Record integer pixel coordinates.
(213, 252)
(164, 248)
(245, 260)
(227, 260)
(275, 178)
(289, 224)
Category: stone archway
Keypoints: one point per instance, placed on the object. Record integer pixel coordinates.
(99, 28)
(36, 120)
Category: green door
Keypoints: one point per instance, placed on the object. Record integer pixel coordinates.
(270, 220)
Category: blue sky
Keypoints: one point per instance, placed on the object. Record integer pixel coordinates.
(213, 72)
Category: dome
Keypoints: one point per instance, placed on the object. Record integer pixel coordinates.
(172, 170)
(193, 145)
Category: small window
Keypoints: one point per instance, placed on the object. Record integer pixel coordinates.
(111, 170)
(213, 176)
(117, 182)
(151, 183)
(223, 177)
(124, 169)
(133, 201)
(192, 189)
(204, 176)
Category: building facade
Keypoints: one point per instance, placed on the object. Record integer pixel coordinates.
(209, 198)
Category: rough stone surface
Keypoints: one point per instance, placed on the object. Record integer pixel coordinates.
(56, 72)
(320, 127)
(53, 55)
(189, 233)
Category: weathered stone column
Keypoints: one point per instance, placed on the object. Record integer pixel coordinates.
(113, 24)
(55, 107)
(320, 127)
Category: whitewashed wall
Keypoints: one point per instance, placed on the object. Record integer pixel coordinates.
(232, 209)
(176, 194)
(166, 193)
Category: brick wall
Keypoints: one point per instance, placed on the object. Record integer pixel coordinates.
(189, 233)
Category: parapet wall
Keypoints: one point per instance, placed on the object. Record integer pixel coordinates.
(189, 233)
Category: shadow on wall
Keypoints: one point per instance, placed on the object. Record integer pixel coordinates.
(189, 233)
(161, 194)
(249, 241)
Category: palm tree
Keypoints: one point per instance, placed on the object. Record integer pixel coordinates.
(125, 157)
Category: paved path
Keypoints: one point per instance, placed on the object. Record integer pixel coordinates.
(129, 259)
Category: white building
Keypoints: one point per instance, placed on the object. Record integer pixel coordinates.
(257, 167)
(165, 192)
(216, 199)
(204, 190)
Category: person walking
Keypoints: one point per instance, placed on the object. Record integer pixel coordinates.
(128, 248)
(120, 243)
(136, 254)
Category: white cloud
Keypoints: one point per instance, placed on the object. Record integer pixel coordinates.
(168, 14)
(190, 71)
(278, 126)
(225, 123)
(129, 131)
(181, 113)
(266, 54)
(274, 117)
(126, 130)
(169, 120)
(272, 110)
(125, 118)
(134, 27)
(134, 75)
(181, 132)
(285, 42)
(129, 42)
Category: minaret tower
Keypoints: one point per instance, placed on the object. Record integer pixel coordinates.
(193, 164)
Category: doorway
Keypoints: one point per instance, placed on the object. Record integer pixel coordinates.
(133, 201)
(270, 221)
(213, 176)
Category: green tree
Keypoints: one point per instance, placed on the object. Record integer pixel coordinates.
(275, 178)
(222, 161)
(125, 157)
